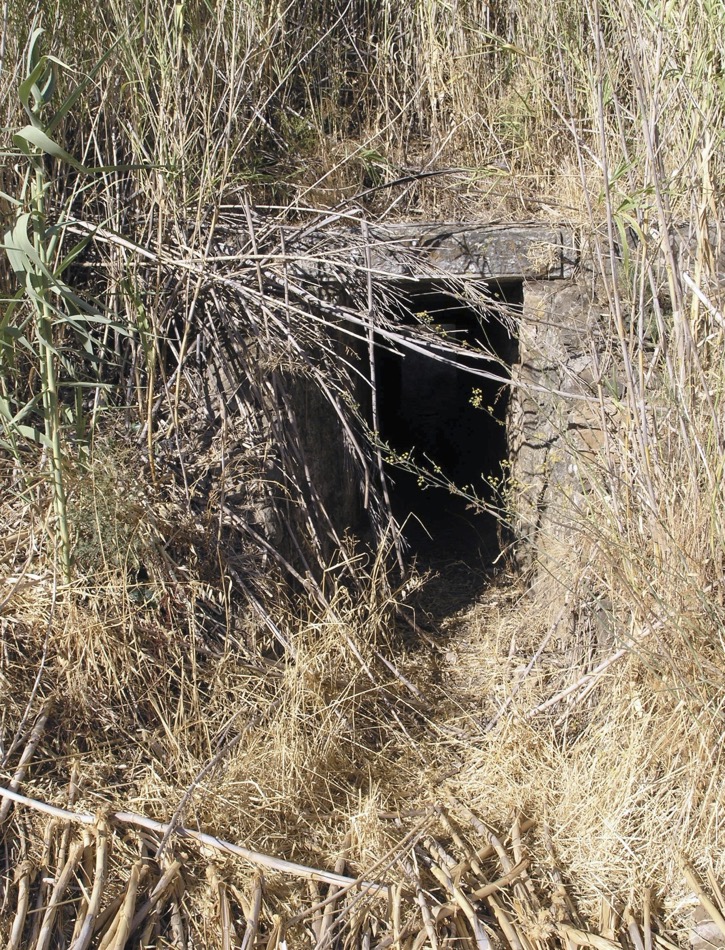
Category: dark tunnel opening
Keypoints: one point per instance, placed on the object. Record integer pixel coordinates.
(450, 420)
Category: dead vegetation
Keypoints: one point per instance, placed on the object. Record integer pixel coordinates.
(225, 724)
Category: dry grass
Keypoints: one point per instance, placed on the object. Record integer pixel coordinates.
(153, 710)
(182, 675)
(624, 774)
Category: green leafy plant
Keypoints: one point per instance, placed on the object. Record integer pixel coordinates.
(46, 328)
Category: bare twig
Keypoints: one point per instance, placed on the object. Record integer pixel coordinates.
(716, 915)
(264, 860)
(24, 875)
(94, 903)
(46, 929)
(252, 921)
(35, 737)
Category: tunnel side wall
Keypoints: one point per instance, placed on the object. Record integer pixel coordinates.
(552, 416)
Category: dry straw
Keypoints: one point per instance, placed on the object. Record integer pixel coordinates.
(216, 651)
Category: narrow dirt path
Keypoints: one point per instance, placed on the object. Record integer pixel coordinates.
(452, 543)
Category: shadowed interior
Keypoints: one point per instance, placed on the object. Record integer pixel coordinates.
(450, 420)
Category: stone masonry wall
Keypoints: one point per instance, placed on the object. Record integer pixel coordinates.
(550, 409)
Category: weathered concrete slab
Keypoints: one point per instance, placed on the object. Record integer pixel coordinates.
(418, 252)
(492, 252)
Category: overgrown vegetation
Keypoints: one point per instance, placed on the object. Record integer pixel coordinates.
(184, 632)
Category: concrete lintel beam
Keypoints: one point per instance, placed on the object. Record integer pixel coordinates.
(424, 252)
(494, 252)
